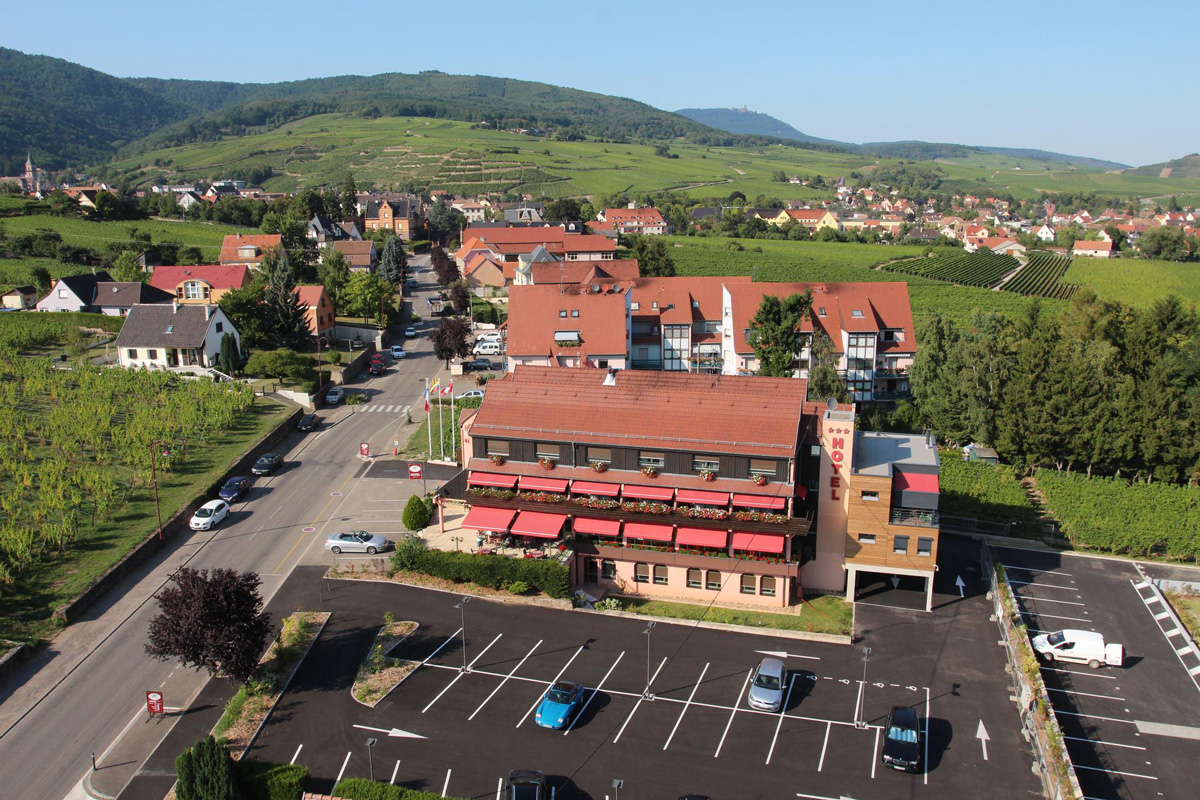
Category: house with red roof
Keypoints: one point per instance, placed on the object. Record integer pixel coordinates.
(648, 221)
(319, 311)
(481, 270)
(200, 284)
(568, 326)
(509, 244)
(1097, 249)
(361, 256)
(250, 249)
(720, 489)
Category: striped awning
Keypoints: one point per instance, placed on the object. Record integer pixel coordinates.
(597, 527)
(649, 532)
(701, 537)
(590, 487)
(492, 479)
(659, 493)
(759, 501)
(482, 518)
(702, 498)
(758, 542)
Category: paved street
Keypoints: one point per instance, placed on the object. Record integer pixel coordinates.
(89, 686)
(1128, 729)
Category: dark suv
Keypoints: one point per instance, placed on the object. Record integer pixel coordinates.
(902, 739)
(308, 422)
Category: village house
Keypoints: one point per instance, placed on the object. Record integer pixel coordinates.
(73, 292)
(200, 284)
(115, 298)
(250, 249)
(174, 336)
(19, 298)
(361, 256)
(397, 215)
(1087, 249)
(568, 326)
(648, 221)
(318, 310)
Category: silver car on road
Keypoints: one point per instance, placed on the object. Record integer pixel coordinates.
(356, 542)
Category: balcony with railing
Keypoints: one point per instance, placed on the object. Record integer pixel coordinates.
(916, 517)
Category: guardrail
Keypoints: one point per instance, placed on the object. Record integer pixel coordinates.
(1039, 725)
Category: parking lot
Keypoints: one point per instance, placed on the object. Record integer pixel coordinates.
(691, 732)
(1129, 730)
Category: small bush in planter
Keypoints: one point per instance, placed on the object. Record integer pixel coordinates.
(495, 459)
(598, 466)
(650, 472)
(547, 463)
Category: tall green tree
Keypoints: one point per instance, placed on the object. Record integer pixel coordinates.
(349, 197)
(244, 308)
(444, 222)
(654, 261)
(775, 333)
(229, 360)
(392, 261)
(333, 273)
(451, 339)
(285, 319)
(564, 209)
(366, 294)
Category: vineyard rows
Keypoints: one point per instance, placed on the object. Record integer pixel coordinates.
(74, 444)
(958, 266)
(1042, 277)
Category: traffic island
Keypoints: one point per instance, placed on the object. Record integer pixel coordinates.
(380, 673)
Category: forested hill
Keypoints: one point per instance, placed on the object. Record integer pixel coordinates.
(752, 123)
(65, 114)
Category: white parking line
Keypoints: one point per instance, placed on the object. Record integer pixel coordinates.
(1041, 571)
(461, 673)
(449, 639)
(1054, 616)
(875, 753)
(595, 692)
(551, 683)
(1117, 772)
(733, 713)
(928, 713)
(1094, 716)
(782, 710)
(342, 770)
(395, 770)
(1106, 744)
(1085, 694)
(499, 787)
(506, 677)
(685, 706)
(1093, 674)
(824, 747)
(443, 691)
(484, 650)
(1048, 600)
(1043, 585)
(297, 754)
(638, 704)
(446, 785)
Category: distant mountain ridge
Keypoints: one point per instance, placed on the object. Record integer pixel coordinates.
(1186, 167)
(753, 122)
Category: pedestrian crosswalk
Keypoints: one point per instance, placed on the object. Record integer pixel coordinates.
(380, 408)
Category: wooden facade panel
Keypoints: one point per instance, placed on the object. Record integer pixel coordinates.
(873, 517)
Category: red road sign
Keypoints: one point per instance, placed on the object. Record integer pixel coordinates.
(365, 448)
(414, 472)
(154, 702)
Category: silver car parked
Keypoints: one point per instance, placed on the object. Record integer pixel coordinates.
(356, 542)
(766, 689)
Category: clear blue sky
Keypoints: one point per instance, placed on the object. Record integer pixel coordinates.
(1103, 79)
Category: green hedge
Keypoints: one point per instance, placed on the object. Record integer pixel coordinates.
(495, 572)
(363, 789)
(266, 780)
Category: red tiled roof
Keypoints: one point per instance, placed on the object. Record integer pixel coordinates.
(535, 313)
(263, 241)
(1100, 245)
(543, 272)
(683, 300)
(218, 276)
(358, 254)
(813, 215)
(750, 415)
(311, 295)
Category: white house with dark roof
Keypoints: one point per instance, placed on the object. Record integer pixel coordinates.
(73, 292)
(174, 336)
(115, 298)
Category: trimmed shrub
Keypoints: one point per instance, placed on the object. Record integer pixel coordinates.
(363, 789)
(415, 516)
(205, 772)
(547, 576)
(266, 780)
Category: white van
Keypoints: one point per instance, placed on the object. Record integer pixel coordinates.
(1080, 647)
(487, 349)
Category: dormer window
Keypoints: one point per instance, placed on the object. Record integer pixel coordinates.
(574, 312)
(856, 314)
(821, 311)
(654, 304)
(562, 313)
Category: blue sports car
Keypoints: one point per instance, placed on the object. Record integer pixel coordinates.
(559, 704)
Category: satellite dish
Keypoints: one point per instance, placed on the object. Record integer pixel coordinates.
(831, 404)
(595, 288)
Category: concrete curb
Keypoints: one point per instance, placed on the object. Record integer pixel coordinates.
(14, 658)
(402, 680)
(545, 602)
(827, 638)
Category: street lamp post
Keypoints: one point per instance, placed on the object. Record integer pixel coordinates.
(462, 608)
(154, 479)
(457, 541)
(646, 694)
(860, 718)
(320, 340)
(370, 762)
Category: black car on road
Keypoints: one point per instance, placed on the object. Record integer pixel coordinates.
(526, 784)
(234, 489)
(902, 739)
(267, 464)
(308, 422)
(477, 365)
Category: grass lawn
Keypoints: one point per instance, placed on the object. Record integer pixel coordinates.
(417, 446)
(29, 608)
(96, 235)
(827, 614)
(1136, 281)
(1188, 608)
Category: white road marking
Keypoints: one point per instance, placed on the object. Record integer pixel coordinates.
(1162, 615)
(1193, 670)
(875, 753)
(342, 770)
(595, 692)
(460, 674)
(1181, 650)
(395, 770)
(446, 785)
(1041, 571)
(928, 712)
(1043, 585)
(1048, 600)
(551, 683)
(1053, 616)
(1153, 599)
(499, 787)
(1095, 716)
(449, 639)
(1085, 694)
(1106, 744)
(782, 711)
(1092, 674)
(1162, 729)
(733, 713)
(297, 753)
(1173, 632)
(506, 677)
(685, 707)
(858, 699)
(484, 650)
(1117, 772)
(822, 797)
(825, 746)
(638, 704)
(1140, 585)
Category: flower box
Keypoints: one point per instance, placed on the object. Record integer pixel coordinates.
(650, 472)
(759, 480)
(598, 466)
(595, 502)
(703, 512)
(708, 475)
(499, 494)
(760, 516)
(547, 463)
(540, 497)
(643, 507)
(497, 460)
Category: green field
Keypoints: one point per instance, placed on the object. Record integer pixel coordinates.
(321, 150)
(19, 271)
(836, 261)
(85, 233)
(1135, 281)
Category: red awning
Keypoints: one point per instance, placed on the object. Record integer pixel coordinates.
(661, 493)
(537, 523)
(703, 498)
(532, 484)
(481, 518)
(755, 501)
(758, 542)
(916, 482)
(643, 530)
(701, 537)
(602, 489)
(597, 527)
(492, 479)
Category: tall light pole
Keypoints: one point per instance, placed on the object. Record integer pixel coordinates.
(860, 718)
(154, 479)
(370, 762)
(646, 694)
(462, 608)
(320, 340)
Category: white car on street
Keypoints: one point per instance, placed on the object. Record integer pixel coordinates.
(209, 515)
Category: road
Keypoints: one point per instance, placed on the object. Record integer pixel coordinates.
(88, 686)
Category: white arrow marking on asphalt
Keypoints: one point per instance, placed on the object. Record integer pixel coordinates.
(895, 582)
(781, 654)
(395, 733)
(959, 583)
(982, 735)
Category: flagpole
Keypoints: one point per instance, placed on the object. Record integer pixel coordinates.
(453, 428)
(441, 431)
(428, 420)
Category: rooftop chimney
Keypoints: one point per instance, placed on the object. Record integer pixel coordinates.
(208, 313)
(174, 306)
(611, 378)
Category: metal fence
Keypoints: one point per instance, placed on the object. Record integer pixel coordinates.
(1038, 729)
